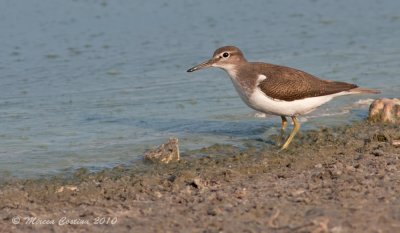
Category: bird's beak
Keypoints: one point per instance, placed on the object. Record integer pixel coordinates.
(203, 65)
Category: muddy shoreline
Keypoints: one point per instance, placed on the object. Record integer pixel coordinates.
(344, 179)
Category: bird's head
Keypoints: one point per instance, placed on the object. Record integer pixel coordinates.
(227, 58)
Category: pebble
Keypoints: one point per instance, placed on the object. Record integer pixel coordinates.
(197, 183)
(378, 153)
(67, 187)
(318, 166)
(396, 143)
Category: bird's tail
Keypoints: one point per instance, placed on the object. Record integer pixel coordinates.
(365, 90)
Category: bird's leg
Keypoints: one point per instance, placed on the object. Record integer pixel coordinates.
(283, 128)
(296, 129)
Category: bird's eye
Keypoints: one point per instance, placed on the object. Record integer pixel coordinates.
(225, 55)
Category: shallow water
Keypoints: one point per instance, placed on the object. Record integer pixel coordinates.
(94, 84)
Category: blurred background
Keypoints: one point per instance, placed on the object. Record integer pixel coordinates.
(95, 83)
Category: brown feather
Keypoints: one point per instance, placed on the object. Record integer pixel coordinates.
(285, 83)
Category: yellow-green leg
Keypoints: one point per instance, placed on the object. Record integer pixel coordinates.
(296, 129)
(284, 124)
(283, 128)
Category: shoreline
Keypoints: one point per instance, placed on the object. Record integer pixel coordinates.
(342, 179)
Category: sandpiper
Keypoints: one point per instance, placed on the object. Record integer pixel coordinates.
(275, 89)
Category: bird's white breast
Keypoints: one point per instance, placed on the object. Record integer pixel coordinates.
(261, 102)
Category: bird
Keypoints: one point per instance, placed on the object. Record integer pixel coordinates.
(278, 90)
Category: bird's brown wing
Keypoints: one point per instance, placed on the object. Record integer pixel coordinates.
(289, 84)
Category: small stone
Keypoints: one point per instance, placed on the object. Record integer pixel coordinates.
(157, 194)
(318, 166)
(391, 168)
(350, 168)
(241, 193)
(67, 187)
(297, 192)
(197, 183)
(378, 153)
(221, 196)
(381, 137)
(337, 229)
(213, 211)
(396, 143)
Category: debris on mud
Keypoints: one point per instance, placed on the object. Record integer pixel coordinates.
(385, 111)
(165, 153)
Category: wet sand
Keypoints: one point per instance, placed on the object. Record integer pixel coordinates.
(344, 179)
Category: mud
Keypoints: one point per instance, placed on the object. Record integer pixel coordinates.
(343, 179)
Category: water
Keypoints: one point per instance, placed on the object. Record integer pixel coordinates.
(95, 83)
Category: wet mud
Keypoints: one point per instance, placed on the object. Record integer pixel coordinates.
(344, 179)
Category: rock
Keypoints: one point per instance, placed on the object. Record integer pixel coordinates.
(378, 153)
(197, 183)
(318, 166)
(67, 187)
(157, 194)
(396, 143)
(240, 193)
(385, 110)
(165, 153)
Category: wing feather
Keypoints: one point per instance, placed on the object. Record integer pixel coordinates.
(285, 83)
